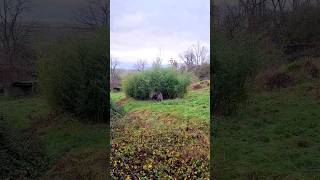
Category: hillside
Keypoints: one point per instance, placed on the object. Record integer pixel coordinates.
(276, 135)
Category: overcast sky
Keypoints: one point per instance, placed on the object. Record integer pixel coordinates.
(54, 11)
(141, 28)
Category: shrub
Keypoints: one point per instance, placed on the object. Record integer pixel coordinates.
(73, 76)
(168, 81)
(235, 62)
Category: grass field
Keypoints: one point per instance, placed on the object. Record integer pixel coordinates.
(167, 139)
(72, 146)
(276, 136)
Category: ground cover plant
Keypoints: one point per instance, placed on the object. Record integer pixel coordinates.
(168, 139)
(21, 155)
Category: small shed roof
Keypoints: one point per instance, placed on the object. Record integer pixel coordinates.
(25, 83)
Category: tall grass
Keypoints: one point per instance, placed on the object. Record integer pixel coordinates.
(235, 63)
(73, 76)
(169, 82)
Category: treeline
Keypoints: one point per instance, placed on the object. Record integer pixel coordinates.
(251, 35)
(195, 60)
(293, 25)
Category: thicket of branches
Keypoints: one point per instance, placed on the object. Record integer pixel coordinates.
(95, 14)
(251, 33)
(16, 55)
(284, 22)
(195, 60)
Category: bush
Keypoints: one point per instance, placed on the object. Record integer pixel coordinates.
(168, 81)
(235, 62)
(73, 77)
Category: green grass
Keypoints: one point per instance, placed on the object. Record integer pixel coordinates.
(59, 134)
(276, 135)
(19, 111)
(195, 105)
(162, 140)
(72, 135)
(116, 96)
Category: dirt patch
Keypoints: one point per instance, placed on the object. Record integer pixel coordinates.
(41, 123)
(274, 77)
(311, 69)
(122, 101)
(200, 85)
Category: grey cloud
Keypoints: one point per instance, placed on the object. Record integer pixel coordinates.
(170, 25)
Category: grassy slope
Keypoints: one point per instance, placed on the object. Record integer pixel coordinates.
(59, 134)
(276, 135)
(194, 105)
(18, 111)
(164, 122)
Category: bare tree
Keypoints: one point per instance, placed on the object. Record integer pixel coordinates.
(114, 72)
(194, 57)
(95, 14)
(201, 53)
(255, 13)
(231, 20)
(188, 59)
(16, 58)
(140, 65)
(173, 63)
(12, 33)
(158, 61)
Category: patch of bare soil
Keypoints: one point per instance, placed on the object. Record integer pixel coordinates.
(39, 124)
(200, 85)
(122, 101)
